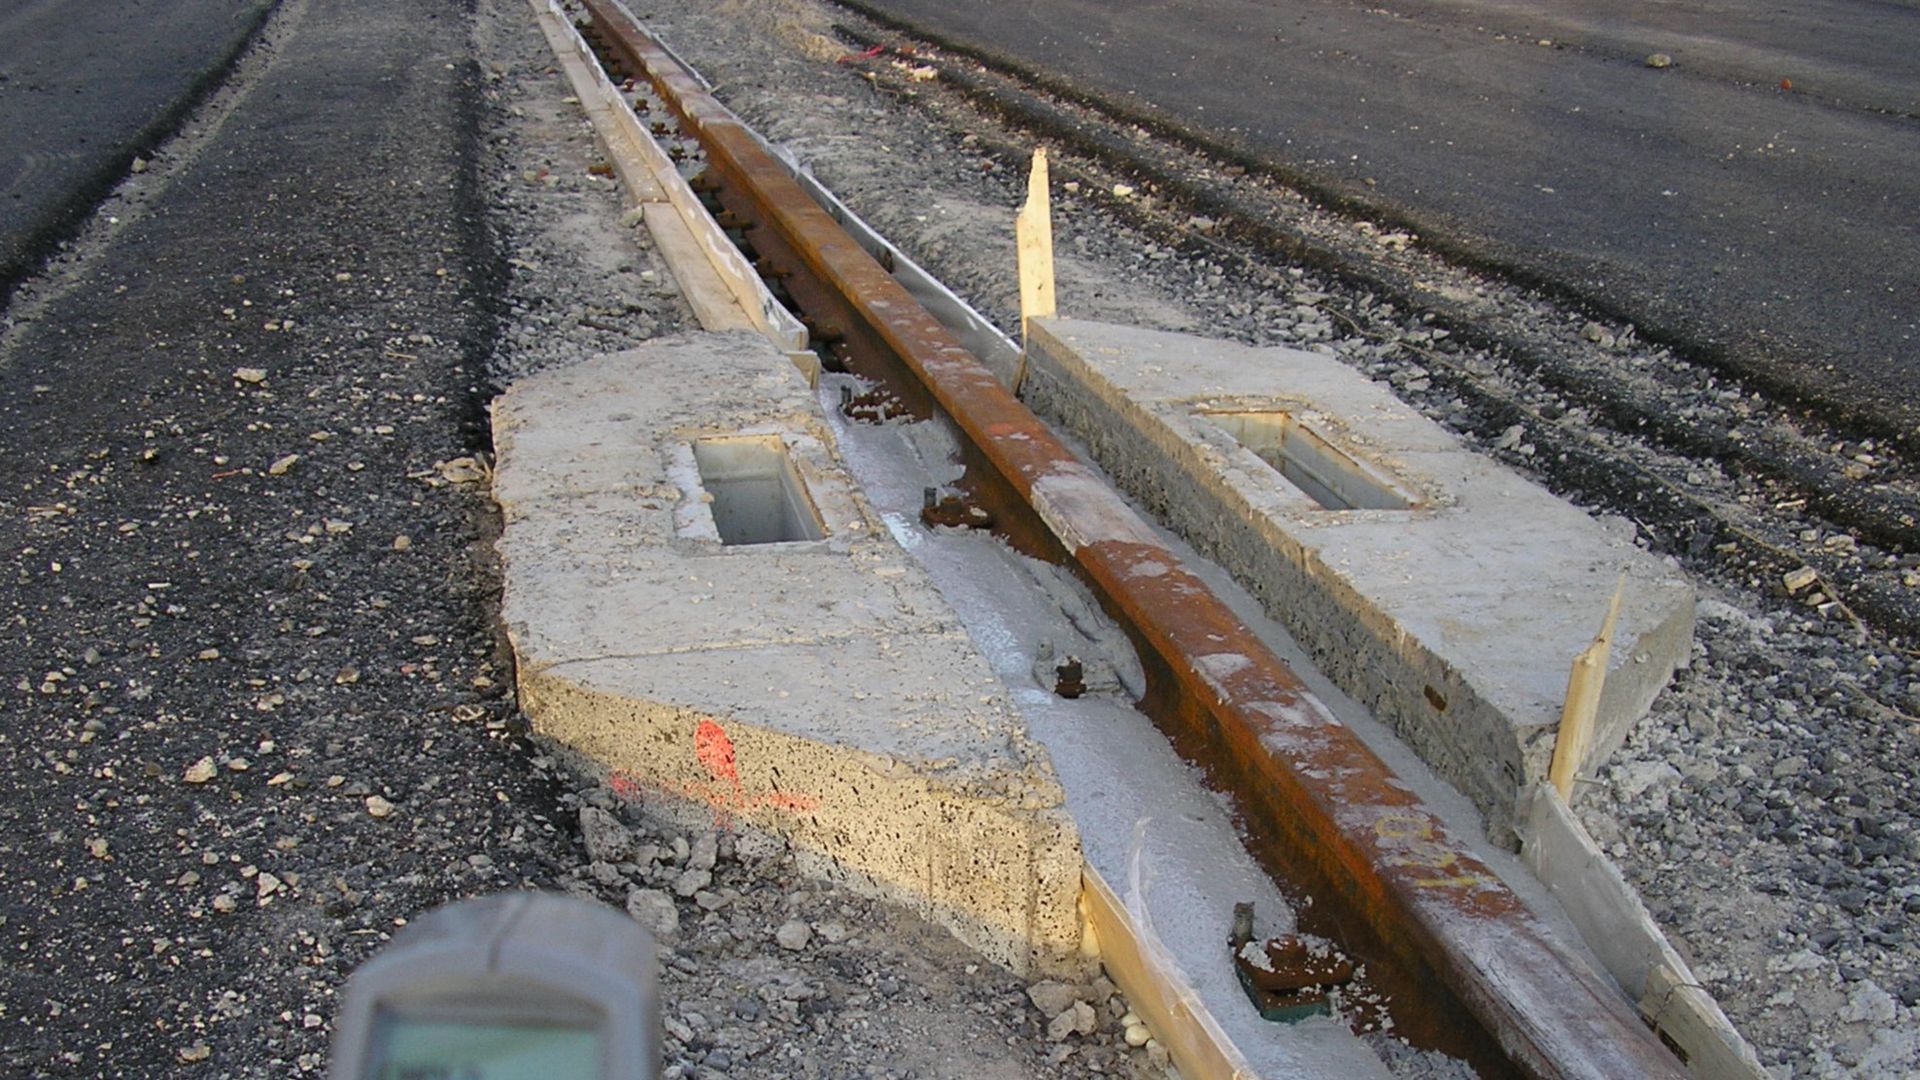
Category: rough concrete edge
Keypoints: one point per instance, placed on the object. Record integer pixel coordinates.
(1274, 569)
(1044, 877)
(1632, 683)
(1060, 382)
(1609, 914)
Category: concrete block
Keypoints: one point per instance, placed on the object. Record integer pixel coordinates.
(1442, 590)
(817, 688)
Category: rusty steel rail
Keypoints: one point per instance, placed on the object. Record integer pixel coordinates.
(1469, 968)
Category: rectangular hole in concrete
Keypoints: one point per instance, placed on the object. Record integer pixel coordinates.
(1321, 470)
(758, 497)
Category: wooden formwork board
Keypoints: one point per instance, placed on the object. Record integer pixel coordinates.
(716, 280)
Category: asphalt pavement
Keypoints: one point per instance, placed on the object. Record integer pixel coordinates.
(1755, 200)
(253, 709)
(86, 87)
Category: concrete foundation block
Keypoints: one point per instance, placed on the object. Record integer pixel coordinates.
(734, 634)
(1442, 590)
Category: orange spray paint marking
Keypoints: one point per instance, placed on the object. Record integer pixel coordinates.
(624, 784)
(715, 751)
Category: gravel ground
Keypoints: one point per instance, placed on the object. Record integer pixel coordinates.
(259, 710)
(1780, 756)
(260, 713)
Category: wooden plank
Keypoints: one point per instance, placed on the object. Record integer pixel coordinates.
(1583, 700)
(1138, 964)
(1685, 1013)
(712, 302)
(635, 180)
(1033, 253)
(1629, 944)
(717, 281)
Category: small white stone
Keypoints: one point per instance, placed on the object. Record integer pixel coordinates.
(704, 852)
(692, 881)
(793, 935)
(654, 910)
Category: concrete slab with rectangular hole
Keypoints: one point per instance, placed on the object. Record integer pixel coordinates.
(1441, 589)
(701, 602)
(756, 495)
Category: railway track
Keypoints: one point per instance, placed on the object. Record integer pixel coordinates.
(1464, 965)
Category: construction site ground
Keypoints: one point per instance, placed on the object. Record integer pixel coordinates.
(260, 711)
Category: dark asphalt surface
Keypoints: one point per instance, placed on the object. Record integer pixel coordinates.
(86, 86)
(1777, 231)
(172, 595)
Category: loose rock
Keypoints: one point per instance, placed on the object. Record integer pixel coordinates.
(793, 935)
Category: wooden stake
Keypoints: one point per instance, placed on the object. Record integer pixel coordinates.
(1583, 700)
(1033, 240)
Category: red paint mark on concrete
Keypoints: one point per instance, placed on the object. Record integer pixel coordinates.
(624, 785)
(716, 753)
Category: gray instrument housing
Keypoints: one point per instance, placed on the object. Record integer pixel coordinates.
(514, 959)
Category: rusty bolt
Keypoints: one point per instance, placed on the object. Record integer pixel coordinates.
(1070, 679)
(1242, 925)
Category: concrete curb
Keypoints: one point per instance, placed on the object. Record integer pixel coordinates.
(815, 688)
(1438, 588)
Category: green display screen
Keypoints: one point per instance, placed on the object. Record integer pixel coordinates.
(450, 1050)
